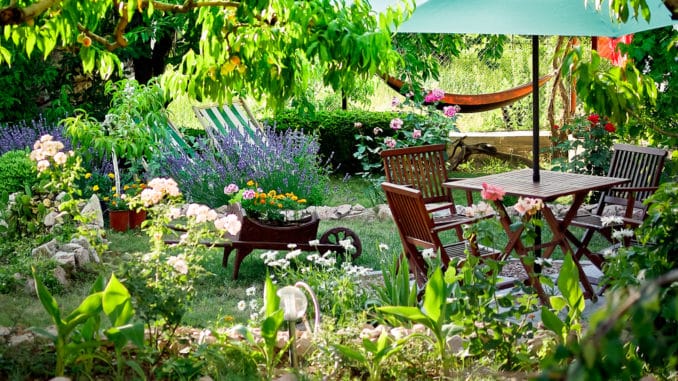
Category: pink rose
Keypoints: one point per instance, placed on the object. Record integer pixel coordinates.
(377, 130)
(434, 96)
(396, 123)
(416, 134)
(450, 111)
(390, 142)
(231, 188)
(492, 192)
(395, 101)
(248, 194)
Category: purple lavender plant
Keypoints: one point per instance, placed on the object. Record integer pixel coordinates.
(286, 162)
(24, 134)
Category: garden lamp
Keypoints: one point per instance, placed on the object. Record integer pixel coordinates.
(294, 303)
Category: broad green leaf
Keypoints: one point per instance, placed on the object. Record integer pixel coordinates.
(568, 284)
(350, 353)
(48, 302)
(434, 297)
(551, 321)
(117, 304)
(89, 307)
(30, 43)
(271, 325)
(5, 55)
(271, 299)
(410, 313)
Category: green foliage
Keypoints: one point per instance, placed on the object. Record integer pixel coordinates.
(134, 122)
(113, 300)
(417, 124)
(339, 289)
(373, 355)
(336, 130)
(17, 172)
(397, 290)
(592, 140)
(271, 324)
(617, 92)
(655, 51)
(635, 334)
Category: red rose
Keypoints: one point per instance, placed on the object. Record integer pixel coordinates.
(594, 118)
(609, 127)
(555, 126)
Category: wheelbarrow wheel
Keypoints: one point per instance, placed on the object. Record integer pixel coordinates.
(334, 235)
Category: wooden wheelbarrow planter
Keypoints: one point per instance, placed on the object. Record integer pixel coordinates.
(257, 235)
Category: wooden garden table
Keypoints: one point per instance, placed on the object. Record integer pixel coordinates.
(552, 186)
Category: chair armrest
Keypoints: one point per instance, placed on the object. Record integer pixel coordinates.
(451, 225)
(634, 189)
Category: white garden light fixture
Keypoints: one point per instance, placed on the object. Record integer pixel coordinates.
(294, 303)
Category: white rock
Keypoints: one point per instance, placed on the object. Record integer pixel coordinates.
(46, 250)
(51, 218)
(343, 210)
(82, 256)
(92, 210)
(65, 259)
(61, 276)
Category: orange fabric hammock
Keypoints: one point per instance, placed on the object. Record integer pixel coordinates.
(479, 102)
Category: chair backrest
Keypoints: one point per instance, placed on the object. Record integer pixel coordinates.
(220, 120)
(643, 165)
(414, 224)
(420, 167)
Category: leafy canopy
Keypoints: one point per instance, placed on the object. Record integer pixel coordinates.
(263, 48)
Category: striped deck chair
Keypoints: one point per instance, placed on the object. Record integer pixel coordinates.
(171, 135)
(220, 120)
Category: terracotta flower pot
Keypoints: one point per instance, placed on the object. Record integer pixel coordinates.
(119, 220)
(136, 218)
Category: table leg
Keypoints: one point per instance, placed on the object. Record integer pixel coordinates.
(559, 237)
(516, 244)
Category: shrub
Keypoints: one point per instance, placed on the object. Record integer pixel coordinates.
(336, 132)
(22, 135)
(287, 162)
(17, 173)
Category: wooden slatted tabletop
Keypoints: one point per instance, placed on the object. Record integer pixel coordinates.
(552, 185)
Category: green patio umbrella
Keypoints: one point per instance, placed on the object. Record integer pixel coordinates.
(528, 17)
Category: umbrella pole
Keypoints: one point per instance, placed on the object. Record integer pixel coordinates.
(535, 109)
(535, 134)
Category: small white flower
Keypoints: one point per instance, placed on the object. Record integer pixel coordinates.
(254, 304)
(314, 242)
(291, 246)
(251, 291)
(293, 254)
(621, 234)
(611, 220)
(254, 316)
(383, 247)
(242, 305)
(347, 244)
(428, 253)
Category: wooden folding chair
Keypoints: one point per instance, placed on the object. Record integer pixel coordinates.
(418, 230)
(643, 165)
(423, 168)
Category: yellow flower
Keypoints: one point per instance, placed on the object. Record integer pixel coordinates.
(106, 198)
(95, 188)
(126, 187)
(301, 201)
(250, 183)
(111, 176)
(88, 175)
(113, 188)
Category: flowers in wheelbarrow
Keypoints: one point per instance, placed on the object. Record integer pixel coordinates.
(264, 205)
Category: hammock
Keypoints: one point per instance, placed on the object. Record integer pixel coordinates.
(480, 102)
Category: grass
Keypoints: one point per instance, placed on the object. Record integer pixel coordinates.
(218, 294)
